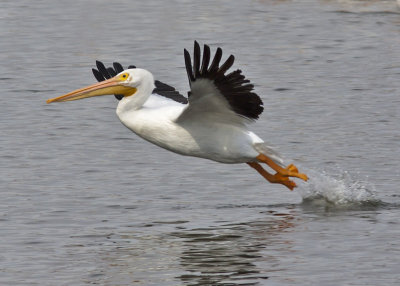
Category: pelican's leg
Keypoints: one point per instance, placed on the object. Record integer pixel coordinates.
(289, 171)
(277, 178)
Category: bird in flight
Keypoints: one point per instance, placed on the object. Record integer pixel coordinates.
(211, 122)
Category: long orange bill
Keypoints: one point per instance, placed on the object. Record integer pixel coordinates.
(109, 86)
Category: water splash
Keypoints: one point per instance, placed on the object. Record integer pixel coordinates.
(338, 189)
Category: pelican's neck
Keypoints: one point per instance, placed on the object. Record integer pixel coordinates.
(136, 100)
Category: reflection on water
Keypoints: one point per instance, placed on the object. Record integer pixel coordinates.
(221, 255)
(228, 255)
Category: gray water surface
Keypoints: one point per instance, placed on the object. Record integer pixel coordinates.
(85, 201)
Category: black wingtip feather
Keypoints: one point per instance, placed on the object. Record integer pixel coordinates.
(111, 72)
(226, 66)
(206, 59)
(215, 63)
(118, 67)
(169, 92)
(188, 64)
(97, 75)
(196, 59)
(102, 69)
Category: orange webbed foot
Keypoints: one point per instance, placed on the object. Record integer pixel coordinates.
(284, 180)
(292, 171)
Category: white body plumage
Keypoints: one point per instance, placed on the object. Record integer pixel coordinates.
(157, 121)
(210, 130)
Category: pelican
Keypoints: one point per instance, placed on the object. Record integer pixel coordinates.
(211, 123)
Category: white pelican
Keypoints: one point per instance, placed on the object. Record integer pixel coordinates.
(211, 123)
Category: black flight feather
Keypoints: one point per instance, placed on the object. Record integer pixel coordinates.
(98, 75)
(102, 69)
(226, 66)
(206, 59)
(188, 64)
(118, 67)
(196, 59)
(111, 72)
(215, 63)
(169, 92)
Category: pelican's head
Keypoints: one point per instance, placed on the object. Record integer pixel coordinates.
(126, 83)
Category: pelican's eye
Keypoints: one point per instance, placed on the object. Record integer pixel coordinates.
(124, 76)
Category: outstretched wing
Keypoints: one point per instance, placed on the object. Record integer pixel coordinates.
(163, 89)
(213, 92)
